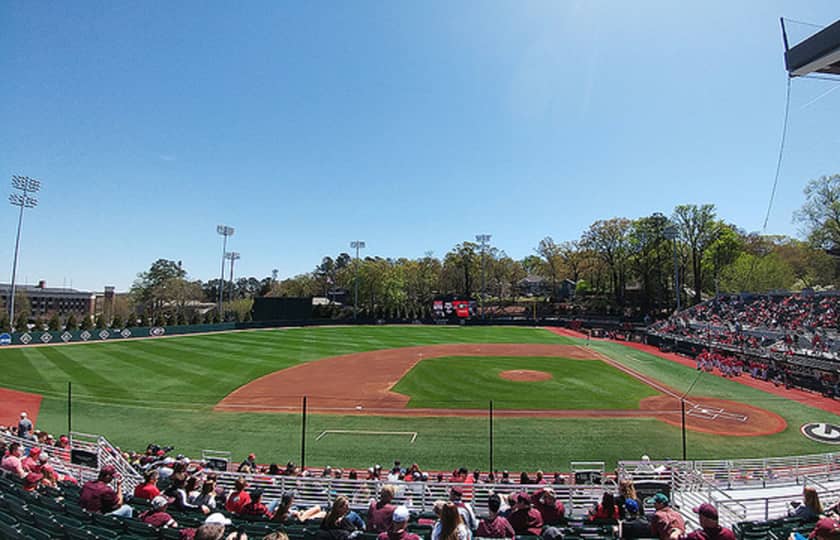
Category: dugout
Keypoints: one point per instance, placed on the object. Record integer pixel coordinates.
(281, 309)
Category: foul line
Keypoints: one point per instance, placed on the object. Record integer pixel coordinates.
(363, 432)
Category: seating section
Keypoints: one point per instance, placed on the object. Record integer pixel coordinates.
(774, 529)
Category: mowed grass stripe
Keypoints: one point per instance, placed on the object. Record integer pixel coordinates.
(471, 382)
(101, 377)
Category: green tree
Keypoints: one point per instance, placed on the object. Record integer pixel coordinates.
(757, 273)
(698, 229)
(87, 323)
(54, 323)
(72, 323)
(552, 260)
(38, 324)
(5, 325)
(144, 320)
(196, 318)
(100, 322)
(649, 250)
(22, 323)
(117, 322)
(610, 242)
(460, 266)
(22, 304)
(820, 215)
(159, 285)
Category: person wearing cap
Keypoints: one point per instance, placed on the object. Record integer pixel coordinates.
(379, 512)
(523, 517)
(31, 462)
(633, 524)
(97, 496)
(666, 523)
(399, 526)
(157, 516)
(494, 525)
(25, 427)
(250, 463)
(711, 529)
(12, 460)
(553, 512)
(456, 494)
(826, 529)
(148, 489)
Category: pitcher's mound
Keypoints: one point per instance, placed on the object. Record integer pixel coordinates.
(525, 375)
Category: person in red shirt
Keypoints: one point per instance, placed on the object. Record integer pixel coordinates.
(256, 508)
(157, 515)
(380, 512)
(238, 498)
(494, 525)
(606, 510)
(711, 530)
(524, 519)
(553, 512)
(98, 497)
(31, 462)
(148, 489)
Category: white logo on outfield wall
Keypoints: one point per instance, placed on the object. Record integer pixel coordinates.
(66, 336)
(125, 333)
(85, 335)
(25, 339)
(820, 432)
(104, 334)
(46, 337)
(157, 331)
(5, 338)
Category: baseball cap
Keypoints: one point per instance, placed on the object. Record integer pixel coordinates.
(108, 469)
(400, 514)
(826, 527)
(658, 498)
(523, 497)
(217, 518)
(252, 455)
(631, 505)
(706, 510)
(159, 502)
(34, 451)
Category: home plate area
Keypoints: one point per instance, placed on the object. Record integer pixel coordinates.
(706, 412)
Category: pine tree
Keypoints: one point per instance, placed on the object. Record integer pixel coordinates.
(100, 322)
(160, 321)
(22, 323)
(117, 322)
(72, 324)
(144, 320)
(86, 324)
(55, 323)
(196, 318)
(5, 326)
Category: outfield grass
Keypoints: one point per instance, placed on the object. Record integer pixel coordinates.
(163, 390)
(466, 382)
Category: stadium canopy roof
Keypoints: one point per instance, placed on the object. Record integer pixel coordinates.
(819, 53)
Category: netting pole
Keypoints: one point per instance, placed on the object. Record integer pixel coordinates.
(491, 437)
(303, 436)
(69, 407)
(682, 406)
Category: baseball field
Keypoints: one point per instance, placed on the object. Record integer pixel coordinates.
(415, 393)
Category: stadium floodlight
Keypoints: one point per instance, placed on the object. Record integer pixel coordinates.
(25, 185)
(819, 53)
(232, 256)
(225, 231)
(483, 240)
(357, 245)
(671, 233)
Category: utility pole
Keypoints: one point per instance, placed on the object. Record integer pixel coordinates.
(232, 256)
(357, 245)
(225, 231)
(25, 185)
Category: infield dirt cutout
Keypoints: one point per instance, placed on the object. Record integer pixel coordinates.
(360, 384)
(525, 375)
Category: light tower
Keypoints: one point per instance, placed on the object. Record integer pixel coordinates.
(232, 256)
(26, 186)
(225, 231)
(357, 245)
(671, 233)
(483, 240)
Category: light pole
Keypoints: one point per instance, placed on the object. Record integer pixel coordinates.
(671, 234)
(483, 240)
(25, 185)
(682, 409)
(232, 256)
(225, 231)
(357, 245)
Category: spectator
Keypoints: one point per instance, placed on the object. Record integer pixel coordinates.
(340, 521)
(97, 496)
(207, 495)
(32, 481)
(379, 512)
(711, 530)
(12, 460)
(255, 508)
(249, 464)
(399, 524)
(456, 494)
(286, 512)
(494, 525)
(31, 462)
(666, 523)
(606, 510)
(633, 525)
(551, 510)
(25, 427)
(626, 492)
(238, 497)
(450, 526)
(157, 516)
(523, 518)
(826, 529)
(148, 489)
(811, 509)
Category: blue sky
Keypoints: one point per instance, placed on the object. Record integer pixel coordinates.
(410, 125)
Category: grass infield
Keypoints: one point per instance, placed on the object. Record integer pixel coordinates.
(463, 382)
(163, 390)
